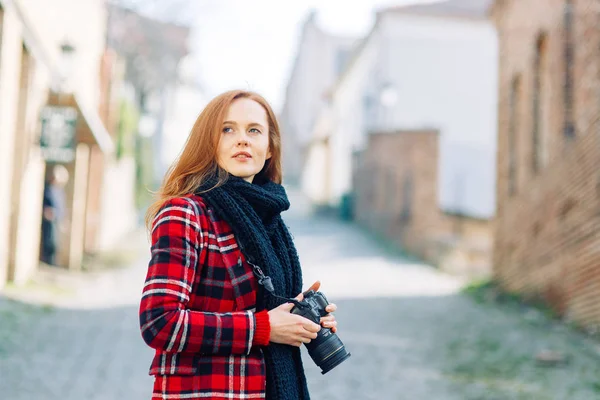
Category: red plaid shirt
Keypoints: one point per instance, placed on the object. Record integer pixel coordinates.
(197, 308)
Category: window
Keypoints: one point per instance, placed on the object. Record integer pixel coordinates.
(515, 95)
(407, 197)
(392, 191)
(539, 87)
(368, 112)
(569, 126)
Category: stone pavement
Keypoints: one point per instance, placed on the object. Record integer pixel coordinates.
(411, 335)
(83, 342)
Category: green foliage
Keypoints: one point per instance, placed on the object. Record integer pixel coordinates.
(477, 290)
(128, 124)
(145, 184)
(488, 291)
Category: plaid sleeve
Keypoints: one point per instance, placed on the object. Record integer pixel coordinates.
(179, 234)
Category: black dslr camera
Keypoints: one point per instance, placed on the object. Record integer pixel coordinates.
(327, 350)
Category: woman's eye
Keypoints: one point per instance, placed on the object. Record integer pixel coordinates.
(227, 129)
(254, 130)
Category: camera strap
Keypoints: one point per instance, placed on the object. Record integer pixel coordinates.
(267, 284)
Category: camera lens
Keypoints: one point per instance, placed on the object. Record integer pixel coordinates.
(327, 350)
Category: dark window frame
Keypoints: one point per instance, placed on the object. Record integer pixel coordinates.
(513, 137)
(569, 49)
(537, 131)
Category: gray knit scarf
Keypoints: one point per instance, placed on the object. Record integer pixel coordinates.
(253, 210)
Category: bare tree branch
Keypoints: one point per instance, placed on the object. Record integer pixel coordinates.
(182, 12)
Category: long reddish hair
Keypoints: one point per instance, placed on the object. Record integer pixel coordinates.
(198, 159)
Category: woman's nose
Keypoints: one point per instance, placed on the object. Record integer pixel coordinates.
(242, 139)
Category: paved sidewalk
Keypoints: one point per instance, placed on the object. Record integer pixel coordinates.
(78, 337)
(411, 335)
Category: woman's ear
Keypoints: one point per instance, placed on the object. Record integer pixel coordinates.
(269, 155)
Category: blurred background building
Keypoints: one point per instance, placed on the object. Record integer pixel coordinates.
(547, 236)
(51, 90)
(462, 131)
(320, 59)
(91, 87)
(422, 68)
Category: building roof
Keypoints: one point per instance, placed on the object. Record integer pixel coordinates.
(446, 8)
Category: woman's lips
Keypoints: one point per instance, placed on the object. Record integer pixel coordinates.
(242, 156)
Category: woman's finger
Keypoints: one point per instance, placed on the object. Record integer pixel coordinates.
(310, 326)
(329, 324)
(331, 308)
(314, 287)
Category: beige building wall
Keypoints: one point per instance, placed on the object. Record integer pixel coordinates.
(118, 215)
(10, 45)
(32, 32)
(28, 171)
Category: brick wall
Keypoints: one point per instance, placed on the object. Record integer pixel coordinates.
(397, 186)
(396, 195)
(547, 231)
(463, 245)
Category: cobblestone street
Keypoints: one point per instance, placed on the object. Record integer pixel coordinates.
(411, 334)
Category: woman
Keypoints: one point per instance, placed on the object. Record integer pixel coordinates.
(217, 334)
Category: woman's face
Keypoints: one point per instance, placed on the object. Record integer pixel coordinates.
(244, 144)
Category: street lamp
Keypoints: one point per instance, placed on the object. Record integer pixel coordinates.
(67, 61)
(388, 97)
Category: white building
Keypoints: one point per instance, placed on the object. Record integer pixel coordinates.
(320, 59)
(423, 66)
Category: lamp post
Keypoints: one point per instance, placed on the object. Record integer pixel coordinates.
(59, 117)
(67, 61)
(388, 97)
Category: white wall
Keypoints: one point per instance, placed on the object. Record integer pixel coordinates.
(445, 74)
(349, 119)
(444, 71)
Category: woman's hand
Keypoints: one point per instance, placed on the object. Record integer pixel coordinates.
(328, 321)
(292, 329)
